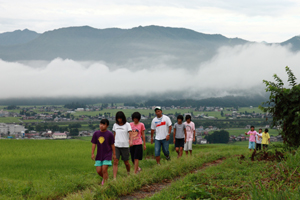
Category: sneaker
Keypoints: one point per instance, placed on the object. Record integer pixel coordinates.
(168, 158)
(102, 182)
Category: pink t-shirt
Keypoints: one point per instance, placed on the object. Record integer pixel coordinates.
(137, 133)
(189, 127)
(252, 135)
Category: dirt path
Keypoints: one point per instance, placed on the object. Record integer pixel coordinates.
(150, 190)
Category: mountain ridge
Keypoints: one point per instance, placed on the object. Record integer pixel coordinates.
(118, 46)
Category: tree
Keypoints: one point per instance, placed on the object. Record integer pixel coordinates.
(284, 106)
(218, 137)
(75, 125)
(74, 132)
(11, 107)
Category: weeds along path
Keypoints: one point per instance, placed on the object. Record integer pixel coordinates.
(150, 190)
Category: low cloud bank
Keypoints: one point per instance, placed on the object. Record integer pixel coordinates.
(235, 70)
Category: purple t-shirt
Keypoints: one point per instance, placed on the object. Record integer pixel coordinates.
(104, 140)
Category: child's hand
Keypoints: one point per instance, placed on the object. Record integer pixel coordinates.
(174, 141)
(145, 147)
(93, 157)
(184, 140)
(194, 140)
(114, 157)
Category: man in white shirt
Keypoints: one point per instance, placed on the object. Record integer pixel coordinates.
(162, 126)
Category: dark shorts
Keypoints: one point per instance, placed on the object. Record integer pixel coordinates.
(258, 146)
(179, 142)
(122, 151)
(265, 145)
(136, 152)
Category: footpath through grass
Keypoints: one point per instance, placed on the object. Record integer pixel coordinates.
(240, 179)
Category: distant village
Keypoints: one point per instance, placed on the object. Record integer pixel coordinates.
(56, 114)
(44, 114)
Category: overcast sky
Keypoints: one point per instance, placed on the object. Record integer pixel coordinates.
(255, 20)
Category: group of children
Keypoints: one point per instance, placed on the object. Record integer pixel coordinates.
(184, 135)
(256, 140)
(129, 138)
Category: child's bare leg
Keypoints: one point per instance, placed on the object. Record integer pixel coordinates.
(181, 152)
(191, 152)
(99, 171)
(104, 172)
(136, 165)
(127, 165)
(177, 150)
(115, 168)
(186, 153)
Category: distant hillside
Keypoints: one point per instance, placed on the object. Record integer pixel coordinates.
(114, 45)
(295, 42)
(17, 37)
(151, 45)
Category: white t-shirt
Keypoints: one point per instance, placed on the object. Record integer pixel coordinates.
(161, 127)
(190, 128)
(258, 141)
(122, 135)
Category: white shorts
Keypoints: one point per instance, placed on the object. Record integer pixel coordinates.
(188, 145)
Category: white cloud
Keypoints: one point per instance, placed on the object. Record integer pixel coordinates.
(235, 70)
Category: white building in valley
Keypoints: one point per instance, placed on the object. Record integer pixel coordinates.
(11, 129)
(59, 136)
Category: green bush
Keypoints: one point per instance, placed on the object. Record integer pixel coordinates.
(284, 105)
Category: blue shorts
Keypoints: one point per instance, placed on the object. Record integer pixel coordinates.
(251, 145)
(99, 163)
(164, 144)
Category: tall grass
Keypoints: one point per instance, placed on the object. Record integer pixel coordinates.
(49, 169)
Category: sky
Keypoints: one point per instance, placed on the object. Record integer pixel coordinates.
(272, 21)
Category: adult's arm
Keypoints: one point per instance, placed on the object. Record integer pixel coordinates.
(152, 133)
(170, 130)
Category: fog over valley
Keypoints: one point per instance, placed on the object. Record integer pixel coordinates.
(233, 70)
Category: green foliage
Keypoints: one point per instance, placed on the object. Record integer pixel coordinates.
(12, 107)
(75, 125)
(284, 105)
(74, 132)
(218, 137)
(75, 105)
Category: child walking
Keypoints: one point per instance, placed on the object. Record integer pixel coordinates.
(190, 134)
(136, 142)
(179, 135)
(252, 134)
(258, 139)
(122, 131)
(104, 140)
(265, 139)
